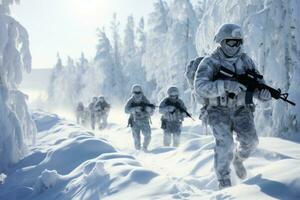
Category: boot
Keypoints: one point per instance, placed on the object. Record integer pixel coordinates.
(224, 183)
(239, 167)
(145, 149)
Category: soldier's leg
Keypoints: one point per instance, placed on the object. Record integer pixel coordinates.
(176, 134)
(136, 136)
(98, 120)
(223, 150)
(220, 122)
(247, 138)
(167, 138)
(168, 133)
(176, 139)
(104, 120)
(146, 130)
(93, 120)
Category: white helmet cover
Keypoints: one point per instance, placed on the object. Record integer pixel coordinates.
(228, 31)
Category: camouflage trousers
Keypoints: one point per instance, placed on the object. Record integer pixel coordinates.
(79, 117)
(172, 130)
(101, 119)
(224, 121)
(141, 126)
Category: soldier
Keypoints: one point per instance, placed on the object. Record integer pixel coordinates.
(92, 112)
(79, 113)
(101, 110)
(226, 113)
(140, 110)
(172, 116)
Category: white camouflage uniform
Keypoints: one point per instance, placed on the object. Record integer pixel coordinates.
(171, 121)
(226, 115)
(92, 112)
(101, 113)
(141, 121)
(80, 113)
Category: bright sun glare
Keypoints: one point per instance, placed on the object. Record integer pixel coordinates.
(88, 8)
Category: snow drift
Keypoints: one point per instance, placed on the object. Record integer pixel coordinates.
(70, 162)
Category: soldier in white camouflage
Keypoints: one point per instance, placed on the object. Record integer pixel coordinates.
(102, 109)
(140, 110)
(227, 115)
(92, 112)
(172, 117)
(80, 113)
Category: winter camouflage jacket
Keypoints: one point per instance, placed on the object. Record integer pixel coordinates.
(102, 107)
(175, 115)
(208, 86)
(132, 104)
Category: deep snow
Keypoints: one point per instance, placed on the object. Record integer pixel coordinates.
(73, 162)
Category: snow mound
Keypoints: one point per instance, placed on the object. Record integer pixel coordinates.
(69, 162)
(48, 179)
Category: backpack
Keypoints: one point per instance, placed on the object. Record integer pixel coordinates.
(191, 69)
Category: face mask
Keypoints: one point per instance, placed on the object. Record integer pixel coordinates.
(230, 50)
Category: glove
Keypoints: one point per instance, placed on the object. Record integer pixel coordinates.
(233, 87)
(135, 110)
(148, 109)
(265, 95)
(138, 109)
(170, 108)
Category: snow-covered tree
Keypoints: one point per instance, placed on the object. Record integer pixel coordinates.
(180, 43)
(155, 56)
(17, 128)
(106, 83)
(116, 51)
(170, 44)
(141, 37)
(56, 72)
(200, 8)
(132, 67)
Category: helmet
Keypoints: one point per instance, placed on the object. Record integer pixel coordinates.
(230, 38)
(228, 31)
(136, 88)
(173, 91)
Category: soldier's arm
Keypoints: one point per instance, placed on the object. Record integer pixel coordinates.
(128, 107)
(182, 104)
(163, 108)
(149, 109)
(204, 84)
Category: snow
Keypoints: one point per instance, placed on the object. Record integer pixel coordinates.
(45, 156)
(73, 162)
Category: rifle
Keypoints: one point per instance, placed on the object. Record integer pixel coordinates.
(251, 81)
(179, 107)
(143, 105)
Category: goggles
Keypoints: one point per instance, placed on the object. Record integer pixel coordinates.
(234, 42)
(137, 92)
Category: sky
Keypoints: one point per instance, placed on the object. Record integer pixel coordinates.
(69, 26)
